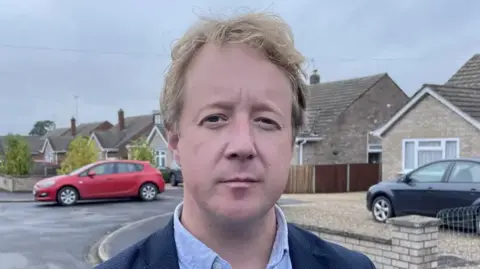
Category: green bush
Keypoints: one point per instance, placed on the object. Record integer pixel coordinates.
(141, 151)
(18, 158)
(80, 153)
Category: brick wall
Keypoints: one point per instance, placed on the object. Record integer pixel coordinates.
(18, 184)
(413, 243)
(104, 126)
(61, 157)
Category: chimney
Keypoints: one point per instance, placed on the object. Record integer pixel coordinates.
(73, 126)
(121, 120)
(315, 77)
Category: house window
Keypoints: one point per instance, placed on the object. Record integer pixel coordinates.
(418, 152)
(161, 158)
(158, 119)
(49, 156)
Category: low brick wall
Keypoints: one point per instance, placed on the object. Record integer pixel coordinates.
(18, 184)
(413, 243)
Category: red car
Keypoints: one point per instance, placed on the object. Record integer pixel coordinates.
(102, 180)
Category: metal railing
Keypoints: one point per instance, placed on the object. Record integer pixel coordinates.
(459, 237)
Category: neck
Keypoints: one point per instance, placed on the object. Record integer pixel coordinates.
(250, 242)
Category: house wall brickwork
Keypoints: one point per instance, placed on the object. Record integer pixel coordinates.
(309, 152)
(61, 157)
(427, 119)
(104, 126)
(348, 136)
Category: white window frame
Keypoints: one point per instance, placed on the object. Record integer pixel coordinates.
(158, 119)
(416, 141)
(159, 155)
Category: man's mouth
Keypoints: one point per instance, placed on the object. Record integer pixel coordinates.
(240, 181)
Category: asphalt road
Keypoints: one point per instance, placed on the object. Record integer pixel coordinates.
(43, 236)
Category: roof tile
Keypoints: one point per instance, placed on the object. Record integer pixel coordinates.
(468, 75)
(326, 101)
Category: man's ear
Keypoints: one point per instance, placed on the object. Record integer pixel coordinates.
(172, 138)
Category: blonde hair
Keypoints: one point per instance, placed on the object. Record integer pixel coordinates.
(266, 32)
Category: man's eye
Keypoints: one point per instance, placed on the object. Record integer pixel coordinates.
(213, 119)
(267, 122)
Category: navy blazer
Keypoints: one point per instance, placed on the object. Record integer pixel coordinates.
(307, 251)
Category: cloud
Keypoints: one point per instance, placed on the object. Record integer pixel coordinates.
(113, 53)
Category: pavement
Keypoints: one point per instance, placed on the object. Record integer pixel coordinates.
(46, 236)
(15, 197)
(129, 234)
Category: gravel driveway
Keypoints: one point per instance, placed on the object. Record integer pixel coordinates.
(347, 212)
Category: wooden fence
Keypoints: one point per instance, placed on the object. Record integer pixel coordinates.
(332, 178)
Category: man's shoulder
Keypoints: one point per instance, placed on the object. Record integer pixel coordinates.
(137, 255)
(126, 259)
(337, 254)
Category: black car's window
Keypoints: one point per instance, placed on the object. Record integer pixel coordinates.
(465, 172)
(430, 173)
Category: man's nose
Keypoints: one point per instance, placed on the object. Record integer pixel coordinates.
(241, 141)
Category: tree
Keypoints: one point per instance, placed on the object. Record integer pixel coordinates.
(18, 157)
(139, 150)
(80, 153)
(42, 127)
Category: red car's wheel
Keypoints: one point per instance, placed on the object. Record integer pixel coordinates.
(148, 192)
(67, 196)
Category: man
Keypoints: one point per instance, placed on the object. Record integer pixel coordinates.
(232, 104)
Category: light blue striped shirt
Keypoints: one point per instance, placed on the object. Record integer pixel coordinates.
(193, 254)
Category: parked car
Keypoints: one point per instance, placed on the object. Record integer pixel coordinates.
(165, 173)
(176, 176)
(102, 180)
(444, 184)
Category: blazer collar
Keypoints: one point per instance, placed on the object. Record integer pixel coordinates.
(160, 251)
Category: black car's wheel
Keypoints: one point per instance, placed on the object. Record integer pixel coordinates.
(173, 179)
(148, 192)
(67, 196)
(382, 209)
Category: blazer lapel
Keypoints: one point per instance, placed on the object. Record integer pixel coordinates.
(160, 251)
(304, 253)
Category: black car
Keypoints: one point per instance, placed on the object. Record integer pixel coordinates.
(444, 184)
(176, 176)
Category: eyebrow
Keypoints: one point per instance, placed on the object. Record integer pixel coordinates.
(267, 106)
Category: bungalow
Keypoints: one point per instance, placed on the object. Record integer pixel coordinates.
(438, 122)
(112, 144)
(341, 114)
(55, 143)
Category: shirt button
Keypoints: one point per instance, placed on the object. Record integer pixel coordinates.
(217, 265)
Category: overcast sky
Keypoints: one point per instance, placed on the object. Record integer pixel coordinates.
(112, 53)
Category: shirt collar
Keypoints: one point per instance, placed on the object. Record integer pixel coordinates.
(196, 254)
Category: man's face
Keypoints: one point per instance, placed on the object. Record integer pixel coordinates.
(235, 142)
